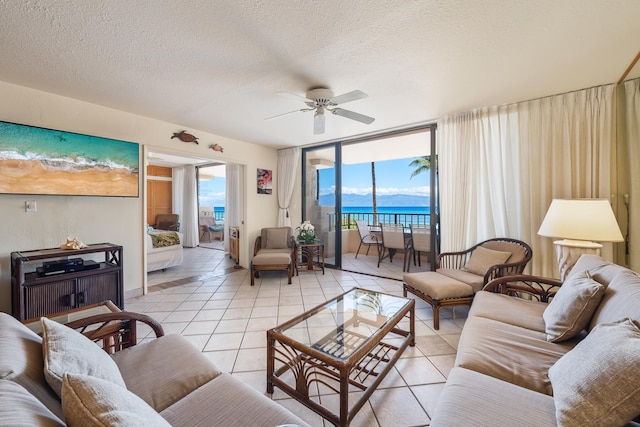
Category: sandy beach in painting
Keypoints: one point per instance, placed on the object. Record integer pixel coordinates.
(32, 177)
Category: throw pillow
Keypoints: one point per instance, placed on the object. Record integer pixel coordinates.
(91, 401)
(482, 259)
(596, 383)
(570, 310)
(65, 350)
(277, 238)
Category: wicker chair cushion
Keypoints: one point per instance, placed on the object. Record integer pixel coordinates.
(570, 310)
(471, 279)
(96, 402)
(275, 237)
(596, 383)
(272, 257)
(68, 351)
(437, 286)
(482, 259)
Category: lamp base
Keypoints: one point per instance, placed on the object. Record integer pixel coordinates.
(568, 252)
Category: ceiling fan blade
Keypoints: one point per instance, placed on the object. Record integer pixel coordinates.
(348, 97)
(318, 123)
(353, 115)
(296, 97)
(284, 114)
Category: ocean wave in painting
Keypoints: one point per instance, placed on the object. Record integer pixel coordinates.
(67, 164)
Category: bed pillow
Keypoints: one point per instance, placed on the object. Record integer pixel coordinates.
(482, 259)
(596, 383)
(66, 350)
(572, 307)
(91, 401)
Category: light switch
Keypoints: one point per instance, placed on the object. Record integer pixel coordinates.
(31, 206)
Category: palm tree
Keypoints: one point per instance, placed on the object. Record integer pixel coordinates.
(422, 164)
(373, 192)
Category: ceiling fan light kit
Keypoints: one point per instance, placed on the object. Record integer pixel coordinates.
(321, 99)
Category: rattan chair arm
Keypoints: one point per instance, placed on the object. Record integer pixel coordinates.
(539, 288)
(116, 331)
(257, 245)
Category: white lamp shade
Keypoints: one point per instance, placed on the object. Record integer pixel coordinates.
(581, 219)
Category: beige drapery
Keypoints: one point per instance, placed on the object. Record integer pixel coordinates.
(500, 168)
(287, 166)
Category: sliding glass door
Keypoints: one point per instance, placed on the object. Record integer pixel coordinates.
(321, 197)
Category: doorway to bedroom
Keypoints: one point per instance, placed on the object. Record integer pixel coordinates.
(211, 205)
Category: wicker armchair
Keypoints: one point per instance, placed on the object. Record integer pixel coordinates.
(273, 250)
(454, 284)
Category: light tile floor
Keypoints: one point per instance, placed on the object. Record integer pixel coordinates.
(213, 305)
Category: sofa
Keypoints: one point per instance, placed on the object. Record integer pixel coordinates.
(63, 378)
(538, 352)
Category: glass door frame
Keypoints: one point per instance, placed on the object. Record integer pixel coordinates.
(434, 194)
(337, 214)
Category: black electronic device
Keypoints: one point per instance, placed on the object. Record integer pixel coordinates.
(61, 266)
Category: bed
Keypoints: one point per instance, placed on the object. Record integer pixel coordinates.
(164, 249)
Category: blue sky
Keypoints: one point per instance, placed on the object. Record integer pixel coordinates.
(392, 177)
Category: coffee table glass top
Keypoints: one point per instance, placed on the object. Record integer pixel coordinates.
(344, 324)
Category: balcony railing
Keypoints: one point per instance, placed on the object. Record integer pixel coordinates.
(349, 219)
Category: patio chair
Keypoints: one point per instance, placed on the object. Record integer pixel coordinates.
(366, 237)
(211, 228)
(420, 242)
(393, 239)
(272, 251)
(459, 275)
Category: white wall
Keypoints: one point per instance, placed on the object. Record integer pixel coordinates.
(111, 219)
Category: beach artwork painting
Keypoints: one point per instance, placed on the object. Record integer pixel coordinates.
(35, 160)
(265, 181)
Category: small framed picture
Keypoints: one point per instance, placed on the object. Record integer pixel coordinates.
(265, 181)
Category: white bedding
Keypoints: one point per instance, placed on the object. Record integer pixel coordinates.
(165, 257)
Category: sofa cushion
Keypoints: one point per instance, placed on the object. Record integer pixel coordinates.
(507, 309)
(92, 401)
(570, 310)
(482, 259)
(621, 299)
(21, 361)
(21, 408)
(68, 351)
(514, 354)
(471, 398)
(164, 370)
(597, 382)
(226, 401)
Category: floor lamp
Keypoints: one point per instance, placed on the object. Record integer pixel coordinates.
(580, 223)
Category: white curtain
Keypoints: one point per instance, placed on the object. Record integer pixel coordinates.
(233, 200)
(630, 130)
(500, 168)
(185, 203)
(287, 167)
(177, 192)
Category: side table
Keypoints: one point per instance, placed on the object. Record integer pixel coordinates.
(309, 256)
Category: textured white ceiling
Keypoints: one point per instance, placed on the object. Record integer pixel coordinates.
(218, 66)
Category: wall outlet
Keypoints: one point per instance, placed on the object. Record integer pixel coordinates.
(31, 206)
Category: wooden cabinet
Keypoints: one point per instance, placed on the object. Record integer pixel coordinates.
(234, 243)
(70, 284)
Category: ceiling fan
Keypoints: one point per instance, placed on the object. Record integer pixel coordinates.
(321, 100)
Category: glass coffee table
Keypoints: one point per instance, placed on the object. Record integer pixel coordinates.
(347, 344)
